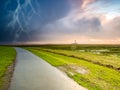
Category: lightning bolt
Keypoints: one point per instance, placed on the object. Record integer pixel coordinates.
(20, 19)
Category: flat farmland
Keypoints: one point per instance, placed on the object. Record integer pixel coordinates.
(96, 67)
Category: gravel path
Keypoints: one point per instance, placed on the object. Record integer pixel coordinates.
(33, 73)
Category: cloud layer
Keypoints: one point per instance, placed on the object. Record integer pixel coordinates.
(60, 21)
(85, 24)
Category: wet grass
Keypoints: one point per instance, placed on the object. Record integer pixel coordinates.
(97, 78)
(7, 57)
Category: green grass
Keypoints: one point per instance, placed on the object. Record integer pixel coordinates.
(113, 60)
(97, 78)
(7, 56)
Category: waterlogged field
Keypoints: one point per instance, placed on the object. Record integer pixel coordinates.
(94, 67)
(7, 56)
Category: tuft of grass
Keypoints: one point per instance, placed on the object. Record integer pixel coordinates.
(7, 57)
(97, 78)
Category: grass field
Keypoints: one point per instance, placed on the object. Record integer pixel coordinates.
(94, 76)
(7, 57)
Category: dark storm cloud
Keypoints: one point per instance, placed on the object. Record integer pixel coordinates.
(31, 17)
(88, 25)
(59, 30)
(81, 26)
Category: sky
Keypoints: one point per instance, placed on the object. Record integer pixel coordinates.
(59, 21)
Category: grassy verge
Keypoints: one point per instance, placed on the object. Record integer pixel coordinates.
(107, 61)
(94, 77)
(7, 57)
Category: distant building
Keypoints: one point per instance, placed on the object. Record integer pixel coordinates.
(74, 45)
